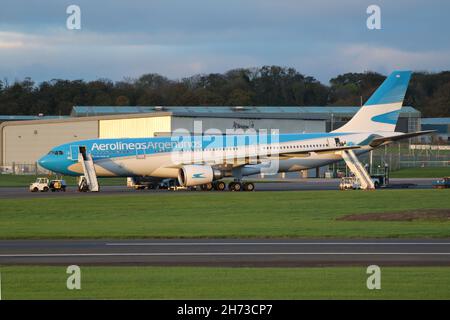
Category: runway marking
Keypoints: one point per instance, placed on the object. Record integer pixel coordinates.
(271, 243)
(136, 254)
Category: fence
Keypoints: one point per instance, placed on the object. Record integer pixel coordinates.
(23, 169)
(403, 155)
(400, 156)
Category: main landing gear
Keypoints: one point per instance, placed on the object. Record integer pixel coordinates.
(220, 186)
(207, 187)
(239, 186)
(234, 186)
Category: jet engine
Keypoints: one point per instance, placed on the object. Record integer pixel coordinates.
(194, 175)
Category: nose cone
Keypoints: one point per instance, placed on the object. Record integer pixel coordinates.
(43, 162)
(50, 163)
(54, 163)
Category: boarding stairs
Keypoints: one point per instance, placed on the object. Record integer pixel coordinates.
(358, 169)
(90, 176)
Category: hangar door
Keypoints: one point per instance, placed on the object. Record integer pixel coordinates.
(134, 128)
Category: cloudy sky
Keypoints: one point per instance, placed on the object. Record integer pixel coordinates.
(179, 38)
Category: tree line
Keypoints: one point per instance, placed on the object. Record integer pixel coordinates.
(264, 86)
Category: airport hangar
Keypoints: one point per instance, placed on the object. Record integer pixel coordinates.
(24, 139)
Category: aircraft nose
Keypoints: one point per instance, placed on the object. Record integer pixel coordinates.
(43, 162)
(51, 163)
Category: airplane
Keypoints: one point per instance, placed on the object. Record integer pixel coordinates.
(204, 160)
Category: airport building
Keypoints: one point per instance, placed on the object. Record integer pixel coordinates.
(442, 127)
(305, 119)
(24, 140)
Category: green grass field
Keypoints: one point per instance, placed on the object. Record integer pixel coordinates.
(302, 214)
(9, 180)
(33, 282)
(421, 173)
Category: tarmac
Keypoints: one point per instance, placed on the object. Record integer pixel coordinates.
(280, 185)
(221, 252)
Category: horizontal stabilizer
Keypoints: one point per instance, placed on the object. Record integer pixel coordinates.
(379, 141)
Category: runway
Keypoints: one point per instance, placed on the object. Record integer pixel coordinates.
(220, 252)
(282, 185)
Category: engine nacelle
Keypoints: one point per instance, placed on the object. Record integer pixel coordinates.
(195, 175)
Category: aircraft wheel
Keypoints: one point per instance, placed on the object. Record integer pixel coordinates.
(220, 186)
(249, 186)
(207, 187)
(235, 186)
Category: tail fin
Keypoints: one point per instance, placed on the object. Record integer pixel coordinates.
(381, 111)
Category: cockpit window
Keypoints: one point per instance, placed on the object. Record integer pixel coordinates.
(56, 153)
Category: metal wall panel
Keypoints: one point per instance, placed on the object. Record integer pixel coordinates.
(26, 143)
(283, 125)
(134, 128)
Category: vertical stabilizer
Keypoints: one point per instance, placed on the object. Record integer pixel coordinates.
(381, 111)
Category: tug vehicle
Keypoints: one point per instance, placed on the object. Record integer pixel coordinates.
(44, 185)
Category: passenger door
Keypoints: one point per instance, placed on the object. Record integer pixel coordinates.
(74, 150)
(332, 142)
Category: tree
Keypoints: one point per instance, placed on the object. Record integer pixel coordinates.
(122, 101)
(239, 97)
(267, 85)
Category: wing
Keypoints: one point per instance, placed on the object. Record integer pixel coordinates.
(385, 140)
(298, 154)
(237, 159)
